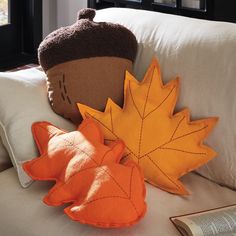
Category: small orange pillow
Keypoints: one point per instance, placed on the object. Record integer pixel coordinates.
(165, 145)
(106, 196)
(104, 193)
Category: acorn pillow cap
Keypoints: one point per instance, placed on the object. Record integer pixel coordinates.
(86, 63)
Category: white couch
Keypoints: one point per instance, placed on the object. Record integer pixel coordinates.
(202, 53)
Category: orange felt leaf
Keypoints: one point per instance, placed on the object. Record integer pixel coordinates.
(165, 145)
(107, 196)
(85, 169)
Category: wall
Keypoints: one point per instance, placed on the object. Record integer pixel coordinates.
(67, 11)
(58, 13)
(49, 16)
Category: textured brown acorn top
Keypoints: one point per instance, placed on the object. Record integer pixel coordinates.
(86, 39)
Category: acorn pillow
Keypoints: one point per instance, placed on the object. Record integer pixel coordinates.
(103, 192)
(79, 60)
(165, 145)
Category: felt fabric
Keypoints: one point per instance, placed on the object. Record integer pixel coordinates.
(86, 62)
(165, 145)
(104, 193)
(90, 81)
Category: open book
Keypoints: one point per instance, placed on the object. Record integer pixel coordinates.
(215, 222)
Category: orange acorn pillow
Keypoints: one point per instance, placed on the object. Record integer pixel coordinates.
(104, 193)
(165, 145)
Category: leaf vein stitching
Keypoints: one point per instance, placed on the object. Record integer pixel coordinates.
(177, 127)
(101, 198)
(179, 150)
(142, 119)
(162, 145)
(113, 134)
(163, 172)
(132, 98)
(93, 161)
(160, 103)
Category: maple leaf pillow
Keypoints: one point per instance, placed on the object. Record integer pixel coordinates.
(165, 145)
(102, 192)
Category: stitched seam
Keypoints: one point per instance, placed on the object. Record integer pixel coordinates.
(68, 179)
(142, 119)
(162, 145)
(68, 99)
(111, 132)
(98, 166)
(140, 139)
(71, 145)
(104, 156)
(147, 95)
(134, 206)
(163, 172)
(60, 86)
(92, 160)
(179, 150)
(132, 98)
(172, 136)
(63, 89)
(160, 103)
(101, 198)
(128, 196)
(190, 133)
(63, 97)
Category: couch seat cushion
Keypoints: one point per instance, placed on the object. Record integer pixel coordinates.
(24, 214)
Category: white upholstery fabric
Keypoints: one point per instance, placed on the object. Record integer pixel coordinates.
(202, 53)
(23, 100)
(24, 214)
(5, 161)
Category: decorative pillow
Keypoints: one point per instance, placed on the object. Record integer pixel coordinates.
(79, 60)
(23, 100)
(5, 161)
(165, 145)
(104, 193)
(202, 54)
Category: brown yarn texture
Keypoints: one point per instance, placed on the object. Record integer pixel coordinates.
(86, 39)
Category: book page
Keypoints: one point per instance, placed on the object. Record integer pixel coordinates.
(212, 223)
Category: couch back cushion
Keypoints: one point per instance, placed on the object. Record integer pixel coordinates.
(23, 101)
(202, 53)
(5, 161)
